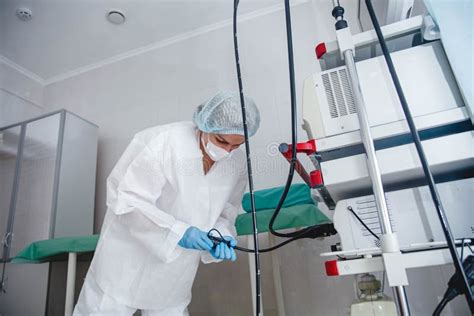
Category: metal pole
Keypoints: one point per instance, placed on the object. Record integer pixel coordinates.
(367, 140)
(401, 298)
(372, 165)
(70, 283)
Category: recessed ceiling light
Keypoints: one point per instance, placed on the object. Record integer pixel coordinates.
(116, 17)
(24, 14)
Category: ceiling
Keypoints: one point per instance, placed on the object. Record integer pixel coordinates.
(65, 35)
(76, 33)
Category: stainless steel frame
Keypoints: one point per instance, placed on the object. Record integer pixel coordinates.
(372, 166)
(57, 171)
(60, 156)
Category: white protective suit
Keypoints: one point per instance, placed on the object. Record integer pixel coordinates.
(155, 192)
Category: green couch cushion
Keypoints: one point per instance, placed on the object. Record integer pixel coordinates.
(268, 199)
(289, 217)
(41, 251)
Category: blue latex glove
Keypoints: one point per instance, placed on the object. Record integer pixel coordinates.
(194, 238)
(223, 251)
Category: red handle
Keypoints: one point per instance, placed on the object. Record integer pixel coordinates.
(300, 169)
(308, 148)
(315, 178)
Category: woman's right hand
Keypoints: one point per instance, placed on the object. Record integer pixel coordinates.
(194, 238)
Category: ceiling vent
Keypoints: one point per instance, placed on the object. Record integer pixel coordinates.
(24, 14)
(116, 17)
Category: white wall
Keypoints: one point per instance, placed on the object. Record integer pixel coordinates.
(21, 95)
(166, 85)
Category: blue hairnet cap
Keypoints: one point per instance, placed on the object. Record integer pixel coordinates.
(222, 114)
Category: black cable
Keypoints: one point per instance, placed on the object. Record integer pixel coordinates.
(455, 284)
(424, 163)
(362, 222)
(221, 238)
(249, 166)
(294, 129)
(316, 231)
(440, 307)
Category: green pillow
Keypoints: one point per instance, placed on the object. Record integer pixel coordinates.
(40, 251)
(268, 199)
(289, 217)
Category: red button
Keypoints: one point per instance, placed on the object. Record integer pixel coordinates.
(331, 268)
(320, 50)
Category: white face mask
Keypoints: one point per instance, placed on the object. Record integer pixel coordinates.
(215, 152)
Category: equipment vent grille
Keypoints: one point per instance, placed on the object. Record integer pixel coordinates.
(330, 96)
(347, 91)
(338, 93)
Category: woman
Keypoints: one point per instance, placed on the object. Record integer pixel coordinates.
(170, 187)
